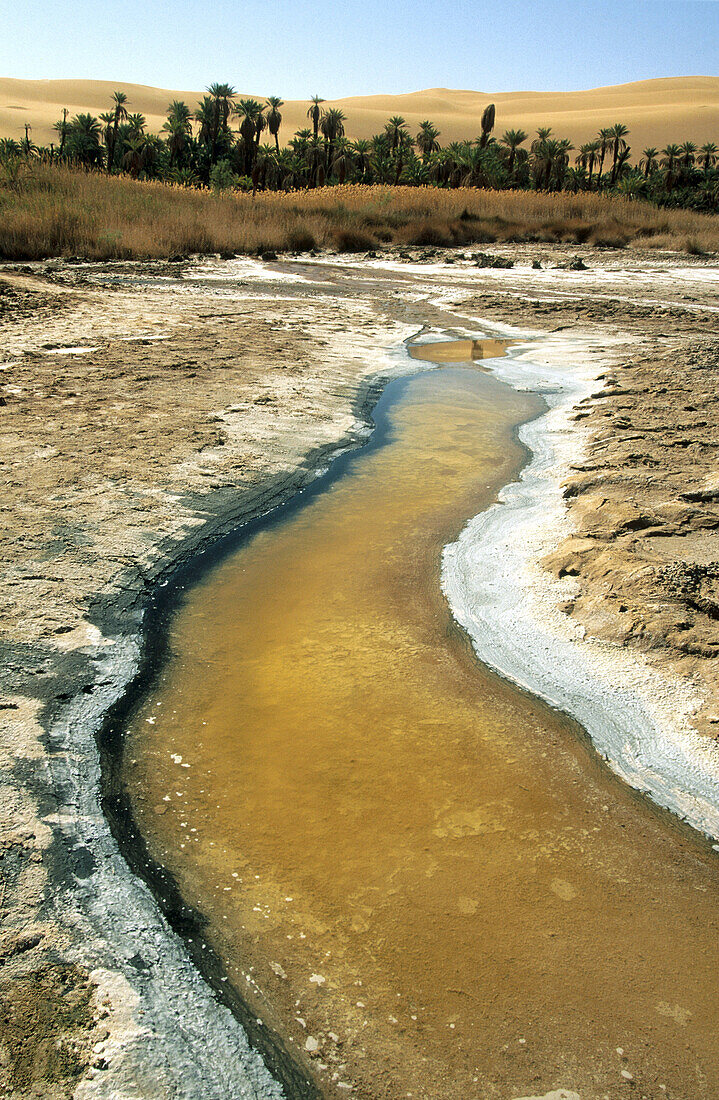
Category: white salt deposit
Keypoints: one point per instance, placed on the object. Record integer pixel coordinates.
(638, 718)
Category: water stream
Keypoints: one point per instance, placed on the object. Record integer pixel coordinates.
(420, 876)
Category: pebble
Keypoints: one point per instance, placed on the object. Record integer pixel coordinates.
(311, 1044)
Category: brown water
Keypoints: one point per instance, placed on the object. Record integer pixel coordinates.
(419, 874)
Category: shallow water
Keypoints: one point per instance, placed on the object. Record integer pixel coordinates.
(405, 862)
(460, 351)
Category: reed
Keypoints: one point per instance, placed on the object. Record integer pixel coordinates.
(55, 211)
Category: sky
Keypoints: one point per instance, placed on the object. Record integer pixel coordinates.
(296, 48)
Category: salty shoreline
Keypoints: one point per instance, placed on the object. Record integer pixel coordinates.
(638, 718)
(153, 1013)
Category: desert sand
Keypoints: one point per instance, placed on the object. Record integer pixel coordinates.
(657, 112)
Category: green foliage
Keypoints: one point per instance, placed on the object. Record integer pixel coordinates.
(222, 178)
(206, 150)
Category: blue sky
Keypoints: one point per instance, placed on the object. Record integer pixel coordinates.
(294, 48)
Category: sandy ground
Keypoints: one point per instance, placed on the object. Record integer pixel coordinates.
(656, 111)
(146, 408)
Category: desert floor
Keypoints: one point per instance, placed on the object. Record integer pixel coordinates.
(147, 409)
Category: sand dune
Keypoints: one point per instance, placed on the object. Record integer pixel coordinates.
(656, 111)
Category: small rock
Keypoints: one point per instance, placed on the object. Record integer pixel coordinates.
(627, 1075)
(311, 1044)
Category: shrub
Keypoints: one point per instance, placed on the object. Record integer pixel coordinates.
(301, 239)
(353, 240)
(692, 246)
(222, 178)
(437, 234)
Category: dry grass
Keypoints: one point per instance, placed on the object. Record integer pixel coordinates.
(60, 212)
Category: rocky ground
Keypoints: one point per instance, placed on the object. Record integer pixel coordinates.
(147, 408)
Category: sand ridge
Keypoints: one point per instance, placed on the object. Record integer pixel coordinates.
(659, 111)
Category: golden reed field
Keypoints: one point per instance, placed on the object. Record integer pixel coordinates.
(56, 211)
(657, 112)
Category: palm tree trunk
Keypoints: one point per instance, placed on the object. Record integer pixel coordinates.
(215, 128)
(614, 164)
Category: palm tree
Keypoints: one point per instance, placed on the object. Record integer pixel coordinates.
(139, 154)
(561, 161)
(542, 154)
(605, 144)
(708, 154)
(361, 152)
(332, 126)
(61, 128)
(688, 151)
(108, 120)
(550, 158)
(260, 125)
(178, 129)
(426, 140)
(671, 155)
(136, 125)
(205, 115)
(186, 177)
(575, 179)
(649, 161)
(394, 128)
(512, 139)
(416, 172)
(315, 159)
(315, 113)
(9, 150)
(632, 185)
(29, 149)
(249, 110)
(342, 161)
(617, 133)
(274, 118)
(403, 153)
(119, 99)
(474, 166)
(222, 96)
(84, 140)
(487, 125)
(587, 158)
(456, 159)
